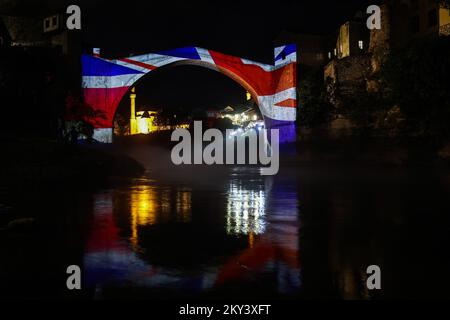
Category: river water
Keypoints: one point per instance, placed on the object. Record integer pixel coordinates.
(309, 232)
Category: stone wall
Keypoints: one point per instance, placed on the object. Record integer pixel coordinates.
(345, 77)
(379, 46)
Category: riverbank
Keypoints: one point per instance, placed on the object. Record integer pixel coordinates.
(38, 163)
(320, 149)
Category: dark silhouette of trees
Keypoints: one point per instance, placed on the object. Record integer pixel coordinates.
(418, 80)
(314, 109)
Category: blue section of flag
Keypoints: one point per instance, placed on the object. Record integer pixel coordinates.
(92, 66)
(290, 48)
(187, 53)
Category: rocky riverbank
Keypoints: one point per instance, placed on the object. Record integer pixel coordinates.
(28, 163)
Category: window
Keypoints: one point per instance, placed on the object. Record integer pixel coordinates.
(361, 44)
(51, 23)
(335, 52)
(415, 24)
(329, 54)
(432, 18)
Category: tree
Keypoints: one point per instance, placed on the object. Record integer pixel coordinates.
(82, 114)
(418, 80)
(314, 109)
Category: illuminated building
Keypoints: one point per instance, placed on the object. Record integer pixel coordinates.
(241, 116)
(146, 122)
(353, 39)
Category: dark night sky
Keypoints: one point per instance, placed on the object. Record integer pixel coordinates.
(240, 28)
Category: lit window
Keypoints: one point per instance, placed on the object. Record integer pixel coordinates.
(329, 55)
(335, 52)
(361, 44)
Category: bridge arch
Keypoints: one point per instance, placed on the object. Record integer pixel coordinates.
(105, 82)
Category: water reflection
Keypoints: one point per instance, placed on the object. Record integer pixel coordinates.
(191, 240)
(149, 206)
(309, 232)
(245, 210)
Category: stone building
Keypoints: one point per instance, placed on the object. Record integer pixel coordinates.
(358, 56)
(406, 21)
(359, 53)
(39, 65)
(348, 61)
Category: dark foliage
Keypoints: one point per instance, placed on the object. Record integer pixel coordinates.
(418, 81)
(314, 109)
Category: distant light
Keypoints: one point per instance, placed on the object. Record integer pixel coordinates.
(361, 44)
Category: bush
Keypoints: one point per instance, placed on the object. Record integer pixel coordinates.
(418, 80)
(314, 109)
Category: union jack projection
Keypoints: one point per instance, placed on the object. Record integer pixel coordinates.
(105, 82)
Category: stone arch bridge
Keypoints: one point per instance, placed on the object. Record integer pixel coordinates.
(105, 82)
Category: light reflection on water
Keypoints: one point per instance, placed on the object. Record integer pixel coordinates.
(138, 232)
(309, 231)
(245, 210)
(150, 206)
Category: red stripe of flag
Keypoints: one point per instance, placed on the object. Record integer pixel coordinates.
(289, 103)
(138, 63)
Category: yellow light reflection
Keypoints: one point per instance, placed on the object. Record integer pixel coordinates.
(149, 206)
